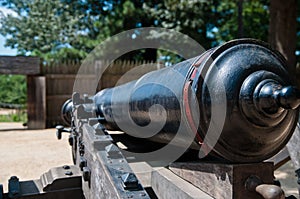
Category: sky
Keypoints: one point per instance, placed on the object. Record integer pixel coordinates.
(5, 50)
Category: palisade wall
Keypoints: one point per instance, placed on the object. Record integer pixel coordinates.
(60, 77)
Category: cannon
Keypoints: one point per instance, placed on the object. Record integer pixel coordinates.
(234, 106)
(243, 81)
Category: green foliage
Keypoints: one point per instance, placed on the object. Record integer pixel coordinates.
(13, 89)
(210, 22)
(213, 22)
(67, 29)
(20, 116)
(194, 18)
(255, 16)
(42, 27)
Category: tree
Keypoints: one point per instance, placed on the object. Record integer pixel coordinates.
(41, 28)
(68, 29)
(194, 18)
(13, 89)
(240, 19)
(213, 22)
(283, 30)
(252, 15)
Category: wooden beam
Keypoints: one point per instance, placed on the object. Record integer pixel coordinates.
(20, 65)
(167, 185)
(283, 30)
(143, 171)
(36, 102)
(280, 158)
(224, 181)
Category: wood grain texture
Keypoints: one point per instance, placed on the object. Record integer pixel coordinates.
(20, 65)
(167, 185)
(224, 181)
(61, 80)
(36, 102)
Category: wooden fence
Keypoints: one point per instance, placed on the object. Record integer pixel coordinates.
(60, 79)
(29, 66)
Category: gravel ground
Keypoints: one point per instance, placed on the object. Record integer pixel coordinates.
(29, 153)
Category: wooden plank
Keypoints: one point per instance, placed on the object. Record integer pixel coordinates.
(224, 181)
(36, 102)
(53, 106)
(167, 185)
(69, 76)
(20, 65)
(58, 86)
(107, 165)
(280, 158)
(59, 89)
(61, 97)
(143, 171)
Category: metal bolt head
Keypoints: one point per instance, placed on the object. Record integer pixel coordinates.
(68, 173)
(14, 178)
(252, 182)
(130, 181)
(81, 149)
(13, 187)
(82, 163)
(66, 167)
(58, 134)
(59, 130)
(86, 173)
(71, 140)
(60, 127)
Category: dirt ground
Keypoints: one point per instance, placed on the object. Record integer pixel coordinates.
(29, 153)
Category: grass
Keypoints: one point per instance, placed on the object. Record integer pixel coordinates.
(19, 116)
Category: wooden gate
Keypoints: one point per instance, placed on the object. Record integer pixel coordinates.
(29, 66)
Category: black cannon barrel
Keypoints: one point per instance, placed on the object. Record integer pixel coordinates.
(239, 92)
